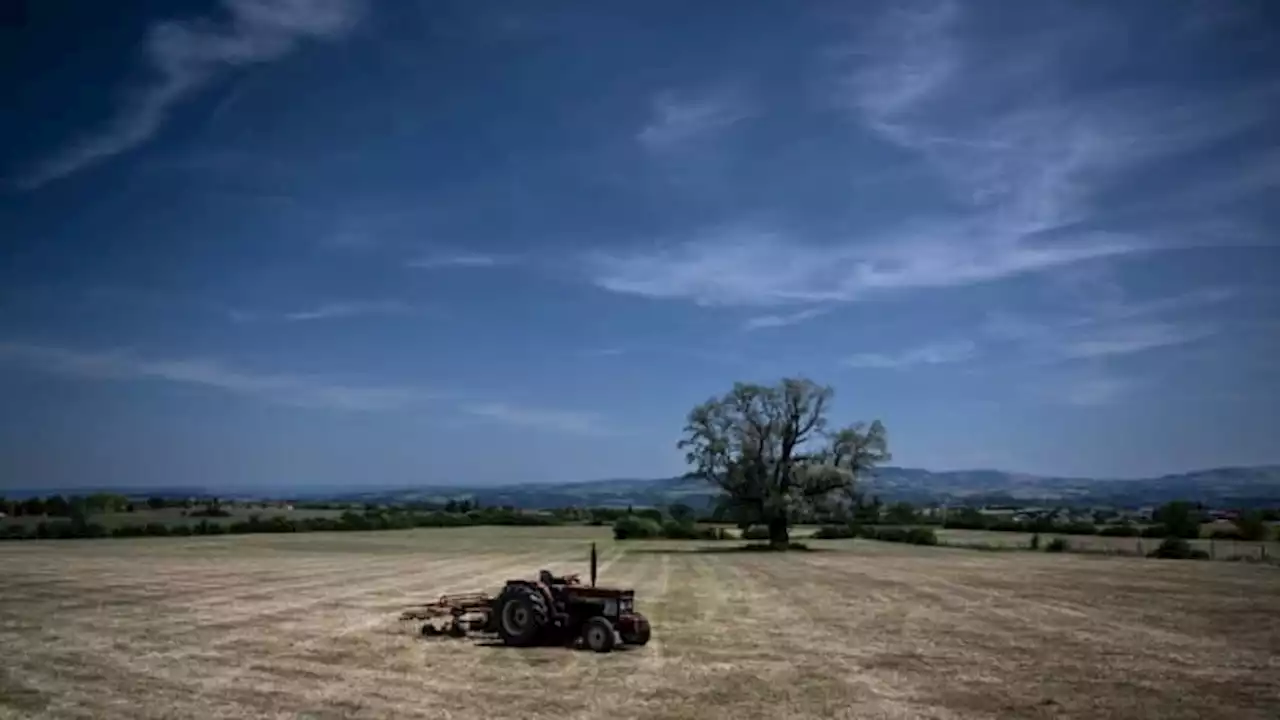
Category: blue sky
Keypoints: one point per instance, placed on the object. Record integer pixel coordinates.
(318, 242)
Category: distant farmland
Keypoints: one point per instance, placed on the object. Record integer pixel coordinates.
(306, 626)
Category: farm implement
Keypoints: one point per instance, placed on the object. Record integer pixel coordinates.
(548, 611)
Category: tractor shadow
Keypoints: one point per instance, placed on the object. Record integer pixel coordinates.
(725, 550)
(494, 644)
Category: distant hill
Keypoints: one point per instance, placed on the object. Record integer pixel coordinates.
(1219, 487)
(1237, 486)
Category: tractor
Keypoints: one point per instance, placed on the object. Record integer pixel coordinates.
(550, 610)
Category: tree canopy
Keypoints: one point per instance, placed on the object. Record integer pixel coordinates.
(769, 449)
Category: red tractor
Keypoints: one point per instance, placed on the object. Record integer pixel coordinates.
(548, 611)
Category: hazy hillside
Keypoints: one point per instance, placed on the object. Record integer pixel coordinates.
(1221, 486)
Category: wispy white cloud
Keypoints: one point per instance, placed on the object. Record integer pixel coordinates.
(754, 266)
(760, 322)
(286, 389)
(1089, 392)
(461, 261)
(677, 119)
(564, 421)
(941, 353)
(1108, 325)
(184, 56)
(335, 310)
(1029, 172)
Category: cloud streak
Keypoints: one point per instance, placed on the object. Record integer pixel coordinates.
(563, 421)
(336, 310)
(285, 389)
(474, 261)
(184, 56)
(761, 322)
(680, 119)
(1028, 173)
(941, 353)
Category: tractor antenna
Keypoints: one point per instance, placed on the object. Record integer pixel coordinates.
(593, 564)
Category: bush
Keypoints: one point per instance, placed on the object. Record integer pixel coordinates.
(835, 532)
(1124, 530)
(913, 536)
(1155, 531)
(1077, 528)
(632, 527)
(676, 530)
(757, 532)
(1058, 545)
(1174, 548)
(1232, 534)
(181, 530)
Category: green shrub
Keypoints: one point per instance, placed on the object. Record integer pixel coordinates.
(1124, 530)
(181, 530)
(835, 532)
(1175, 548)
(756, 532)
(676, 530)
(913, 536)
(1058, 545)
(632, 527)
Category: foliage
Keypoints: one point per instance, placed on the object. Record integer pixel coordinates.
(1179, 519)
(913, 536)
(1176, 548)
(756, 533)
(681, 513)
(1251, 526)
(1057, 545)
(901, 513)
(634, 527)
(768, 449)
(1122, 530)
(836, 532)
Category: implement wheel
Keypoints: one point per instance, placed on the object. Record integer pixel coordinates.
(598, 634)
(522, 615)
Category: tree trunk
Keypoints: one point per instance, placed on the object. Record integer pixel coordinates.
(779, 534)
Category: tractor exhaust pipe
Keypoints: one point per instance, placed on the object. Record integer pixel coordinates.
(593, 564)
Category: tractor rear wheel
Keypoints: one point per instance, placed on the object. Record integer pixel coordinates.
(599, 635)
(522, 615)
(638, 632)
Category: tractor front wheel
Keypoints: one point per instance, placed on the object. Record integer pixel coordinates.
(637, 632)
(599, 635)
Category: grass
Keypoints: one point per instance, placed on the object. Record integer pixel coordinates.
(306, 626)
(1219, 549)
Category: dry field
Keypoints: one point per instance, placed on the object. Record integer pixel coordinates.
(1219, 549)
(305, 626)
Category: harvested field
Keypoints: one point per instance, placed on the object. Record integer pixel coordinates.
(1217, 549)
(305, 626)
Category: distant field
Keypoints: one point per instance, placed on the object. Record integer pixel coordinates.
(1219, 549)
(172, 516)
(305, 626)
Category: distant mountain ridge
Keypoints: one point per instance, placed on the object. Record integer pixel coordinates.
(1220, 487)
(1228, 486)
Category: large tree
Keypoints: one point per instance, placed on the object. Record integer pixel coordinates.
(768, 449)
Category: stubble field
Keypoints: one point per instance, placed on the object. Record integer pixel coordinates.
(306, 626)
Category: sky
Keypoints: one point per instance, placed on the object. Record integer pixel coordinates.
(267, 244)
